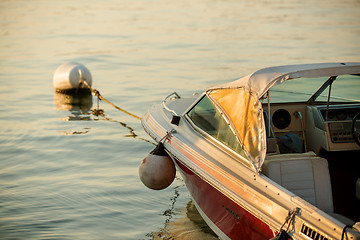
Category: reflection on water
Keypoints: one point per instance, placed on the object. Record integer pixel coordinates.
(79, 106)
(131, 130)
(73, 102)
(184, 223)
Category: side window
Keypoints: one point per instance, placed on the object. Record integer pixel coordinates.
(207, 117)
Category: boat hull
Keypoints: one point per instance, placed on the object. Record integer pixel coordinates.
(227, 219)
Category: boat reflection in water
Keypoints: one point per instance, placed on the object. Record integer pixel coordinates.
(184, 223)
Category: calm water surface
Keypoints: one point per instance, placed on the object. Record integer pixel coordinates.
(67, 174)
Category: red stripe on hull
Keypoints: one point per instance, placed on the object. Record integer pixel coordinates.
(228, 216)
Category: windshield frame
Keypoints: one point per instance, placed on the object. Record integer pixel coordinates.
(315, 90)
(213, 140)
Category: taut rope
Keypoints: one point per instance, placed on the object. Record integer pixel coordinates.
(97, 93)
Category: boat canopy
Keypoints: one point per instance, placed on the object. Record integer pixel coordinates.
(239, 101)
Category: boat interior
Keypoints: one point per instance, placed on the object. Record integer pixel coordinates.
(311, 151)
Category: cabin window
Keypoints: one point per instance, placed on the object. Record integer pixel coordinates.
(207, 117)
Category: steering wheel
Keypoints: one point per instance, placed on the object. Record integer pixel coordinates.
(355, 128)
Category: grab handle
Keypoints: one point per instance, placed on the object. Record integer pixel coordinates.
(164, 102)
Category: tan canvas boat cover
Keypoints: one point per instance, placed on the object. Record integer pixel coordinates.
(239, 100)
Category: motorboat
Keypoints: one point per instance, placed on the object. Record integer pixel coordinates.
(264, 157)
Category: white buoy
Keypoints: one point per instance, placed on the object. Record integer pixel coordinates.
(69, 76)
(157, 170)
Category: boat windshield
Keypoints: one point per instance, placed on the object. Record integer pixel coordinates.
(207, 117)
(345, 88)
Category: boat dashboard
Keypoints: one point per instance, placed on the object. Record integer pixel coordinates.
(339, 120)
(318, 126)
(332, 126)
(339, 113)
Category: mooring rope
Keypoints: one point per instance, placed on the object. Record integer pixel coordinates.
(97, 93)
(100, 113)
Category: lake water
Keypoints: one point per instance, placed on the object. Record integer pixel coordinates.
(68, 174)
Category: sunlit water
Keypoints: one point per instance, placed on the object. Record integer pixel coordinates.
(68, 174)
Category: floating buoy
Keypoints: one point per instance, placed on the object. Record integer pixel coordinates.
(70, 78)
(157, 170)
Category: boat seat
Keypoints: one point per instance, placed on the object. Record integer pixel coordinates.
(296, 172)
(307, 176)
